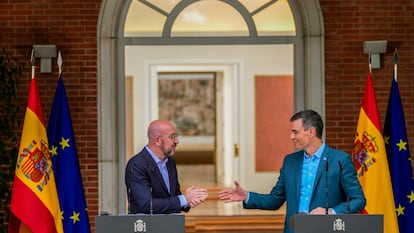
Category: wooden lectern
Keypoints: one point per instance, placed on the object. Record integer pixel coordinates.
(340, 223)
(136, 223)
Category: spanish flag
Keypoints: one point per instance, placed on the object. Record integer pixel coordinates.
(370, 159)
(34, 205)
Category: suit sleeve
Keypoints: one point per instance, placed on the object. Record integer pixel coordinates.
(271, 201)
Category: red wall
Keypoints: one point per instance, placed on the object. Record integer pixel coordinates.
(71, 26)
(273, 109)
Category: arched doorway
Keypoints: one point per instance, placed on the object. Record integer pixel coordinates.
(309, 79)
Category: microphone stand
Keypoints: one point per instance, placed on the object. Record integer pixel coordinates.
(326, 187)
(151, 211)
(343, 187)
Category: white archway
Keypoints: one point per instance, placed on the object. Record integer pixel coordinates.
(309, 87)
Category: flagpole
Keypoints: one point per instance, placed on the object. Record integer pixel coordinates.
(33, 64)
(59, 62)
(369, 61)
(395, 64)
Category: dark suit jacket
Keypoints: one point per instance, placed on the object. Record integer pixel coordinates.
(342, 183)
(146, 190)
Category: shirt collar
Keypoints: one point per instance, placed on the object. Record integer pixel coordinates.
(155, 158)
(318, 153)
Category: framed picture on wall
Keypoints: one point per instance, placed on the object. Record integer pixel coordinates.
(188, 101)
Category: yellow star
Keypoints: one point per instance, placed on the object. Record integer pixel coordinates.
(401, 145)
(61, 215)
(75, 217)
(64, 143)
(411, 197)
(53, 151)
(387, 139)
(400, 210)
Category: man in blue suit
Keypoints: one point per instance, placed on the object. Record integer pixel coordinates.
(151, 176)
(316, 179)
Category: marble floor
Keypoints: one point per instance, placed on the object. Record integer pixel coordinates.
(203, 175)
(219, 208)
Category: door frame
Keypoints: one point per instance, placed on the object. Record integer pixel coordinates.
(227, 124)
(309, 87)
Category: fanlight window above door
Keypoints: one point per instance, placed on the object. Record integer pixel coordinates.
(209, 18)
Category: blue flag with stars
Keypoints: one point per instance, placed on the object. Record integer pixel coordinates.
(399, 160)
(66, 165)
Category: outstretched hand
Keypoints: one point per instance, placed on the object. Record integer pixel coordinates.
(233, 195)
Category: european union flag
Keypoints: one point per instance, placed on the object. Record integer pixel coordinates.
(399, 160)
(66, 165)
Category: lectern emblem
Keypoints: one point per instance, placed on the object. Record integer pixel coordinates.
(338, 225)
(140, 226)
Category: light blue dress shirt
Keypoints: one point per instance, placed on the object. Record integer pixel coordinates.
(162, 167)
(309, 168)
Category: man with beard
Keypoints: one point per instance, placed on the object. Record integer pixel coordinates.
(151, 176)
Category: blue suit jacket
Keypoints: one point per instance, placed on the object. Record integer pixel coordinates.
(342, 183)
(146, 189)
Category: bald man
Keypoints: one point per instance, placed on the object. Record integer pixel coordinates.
(151, 176)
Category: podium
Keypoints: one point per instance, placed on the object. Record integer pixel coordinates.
(157, 223)
(350, 223)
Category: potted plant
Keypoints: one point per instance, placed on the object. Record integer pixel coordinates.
(10, 71)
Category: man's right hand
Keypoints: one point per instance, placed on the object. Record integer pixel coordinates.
(232, 195)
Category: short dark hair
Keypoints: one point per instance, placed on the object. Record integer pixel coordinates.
(310, 118)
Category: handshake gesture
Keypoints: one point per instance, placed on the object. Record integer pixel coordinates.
(195, 195)
(235, 194)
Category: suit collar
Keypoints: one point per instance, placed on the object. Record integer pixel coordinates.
(153, 167)
(155, 157)
(323, 164)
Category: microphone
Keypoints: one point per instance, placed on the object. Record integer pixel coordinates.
(129, 192)
(343, 184)
(152, 169)
(129, 201)
(151, 210)
(326, 187)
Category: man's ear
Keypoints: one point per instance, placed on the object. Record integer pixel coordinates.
(312, 131)
(158, 140)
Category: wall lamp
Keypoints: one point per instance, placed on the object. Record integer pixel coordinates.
(45, 53)
(374, 48)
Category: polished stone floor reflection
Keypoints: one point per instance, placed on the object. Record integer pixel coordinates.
(219, 208)
(215, 216)
(203, 175)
